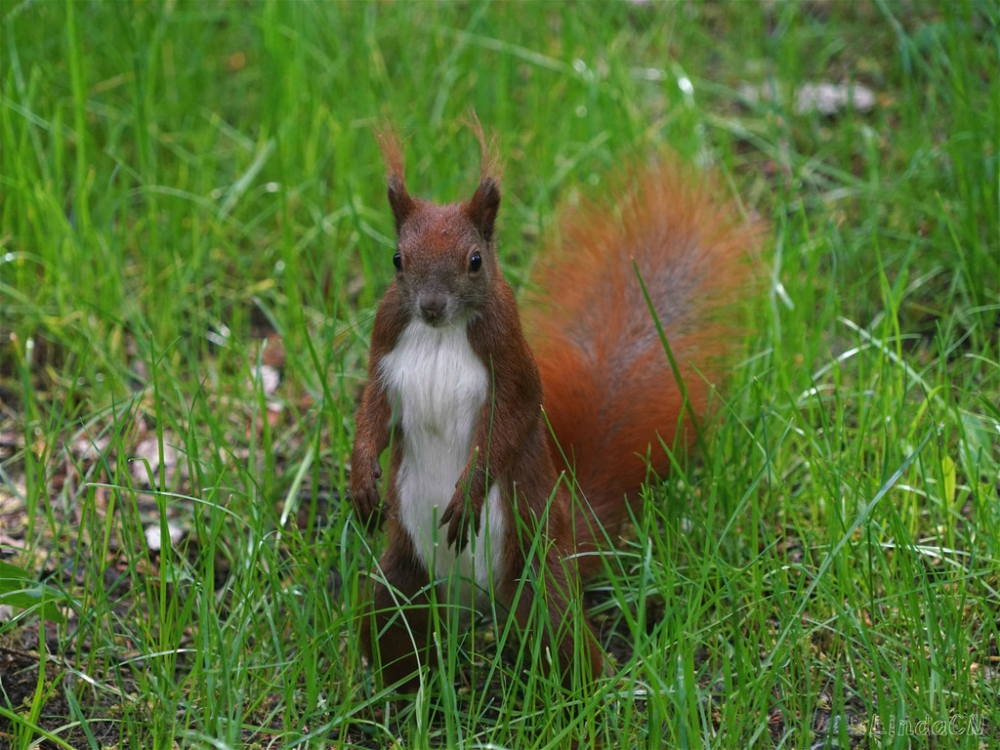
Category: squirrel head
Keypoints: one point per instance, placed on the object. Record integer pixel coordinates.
(445, 260)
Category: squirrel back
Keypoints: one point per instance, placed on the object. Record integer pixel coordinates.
(610, 394)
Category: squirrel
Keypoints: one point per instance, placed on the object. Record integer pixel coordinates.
(485, 430)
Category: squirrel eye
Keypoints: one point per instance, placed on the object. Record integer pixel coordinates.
(475, 263)
(397, 261)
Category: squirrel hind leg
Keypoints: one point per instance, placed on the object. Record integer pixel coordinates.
(394, 639)
(568, 643)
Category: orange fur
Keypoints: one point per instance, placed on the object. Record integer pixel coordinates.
(391, 145)
(490, 161)
(609, 391)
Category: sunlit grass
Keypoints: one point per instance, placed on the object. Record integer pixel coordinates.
(193, 206)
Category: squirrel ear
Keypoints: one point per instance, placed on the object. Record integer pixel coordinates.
(400, 201)
(482, 209)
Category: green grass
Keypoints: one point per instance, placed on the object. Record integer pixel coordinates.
(179, 181)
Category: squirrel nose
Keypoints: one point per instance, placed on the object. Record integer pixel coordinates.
(432, 307)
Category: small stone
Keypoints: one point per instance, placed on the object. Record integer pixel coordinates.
(176, 533)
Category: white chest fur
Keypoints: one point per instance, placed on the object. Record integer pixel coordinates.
(438, 386)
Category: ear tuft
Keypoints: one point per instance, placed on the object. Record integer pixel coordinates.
(392, 153)
(482, 209)
(490, 163)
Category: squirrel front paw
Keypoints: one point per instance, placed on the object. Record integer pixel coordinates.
(364, 490)
(465, 511)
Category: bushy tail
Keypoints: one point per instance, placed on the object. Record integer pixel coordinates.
(609, 390)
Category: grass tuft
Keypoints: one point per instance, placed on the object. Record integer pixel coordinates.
(195, 236)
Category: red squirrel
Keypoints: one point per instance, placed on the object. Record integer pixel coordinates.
(476, 474)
